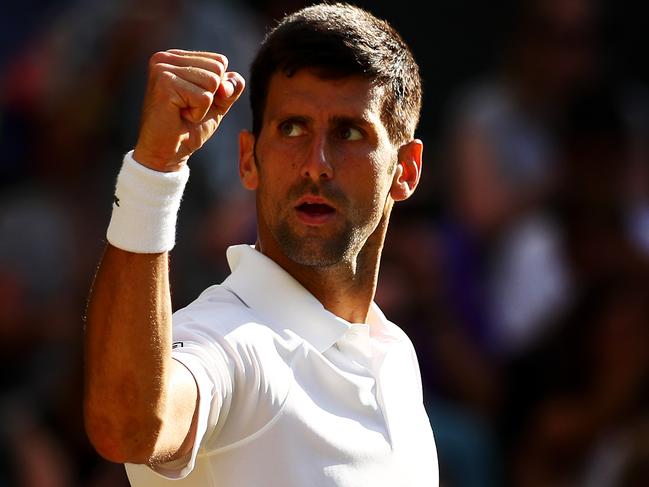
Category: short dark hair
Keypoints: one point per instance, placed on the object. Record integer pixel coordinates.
(339, 40)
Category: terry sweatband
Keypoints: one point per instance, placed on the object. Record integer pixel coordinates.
(145, 207)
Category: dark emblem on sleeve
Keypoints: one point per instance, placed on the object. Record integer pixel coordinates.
(177, 345)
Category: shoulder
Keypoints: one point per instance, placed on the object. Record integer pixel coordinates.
(395, 334)
(219, 326)
(385, 327)
(217, 309)
(218, 317)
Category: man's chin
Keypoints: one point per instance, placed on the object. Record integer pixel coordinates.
(314, 259)
(313, 252)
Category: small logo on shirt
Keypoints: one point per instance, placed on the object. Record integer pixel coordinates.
(116, 200)
(177, 345)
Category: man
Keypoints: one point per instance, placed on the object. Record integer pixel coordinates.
(286, 374)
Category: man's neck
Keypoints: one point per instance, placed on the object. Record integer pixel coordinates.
(345, 289)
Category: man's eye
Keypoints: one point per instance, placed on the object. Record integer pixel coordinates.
(350, 133)
(291, 129)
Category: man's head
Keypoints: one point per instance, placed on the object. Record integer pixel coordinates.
(336, 97)
(339, 40)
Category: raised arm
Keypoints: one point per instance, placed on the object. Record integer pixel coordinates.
(139, 403)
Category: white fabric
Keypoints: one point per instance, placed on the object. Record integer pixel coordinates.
(293, 396)
(145, 207)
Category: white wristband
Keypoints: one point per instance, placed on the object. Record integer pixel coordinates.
(145, 207)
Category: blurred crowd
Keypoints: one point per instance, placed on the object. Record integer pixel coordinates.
(520, 268)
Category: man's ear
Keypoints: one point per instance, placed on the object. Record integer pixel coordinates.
(408, 170)
(247, 166)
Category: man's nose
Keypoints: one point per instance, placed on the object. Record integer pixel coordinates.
(317, 164)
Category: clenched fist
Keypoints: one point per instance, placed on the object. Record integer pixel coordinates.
(187, 95)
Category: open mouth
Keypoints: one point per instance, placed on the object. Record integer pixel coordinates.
(315, 213)
(315, 209)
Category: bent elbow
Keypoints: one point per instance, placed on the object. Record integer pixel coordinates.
(120, 440)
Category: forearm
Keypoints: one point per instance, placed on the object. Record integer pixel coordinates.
(127, 353)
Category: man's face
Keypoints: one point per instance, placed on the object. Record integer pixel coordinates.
(324, 168)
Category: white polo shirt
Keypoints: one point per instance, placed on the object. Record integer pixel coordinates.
(292, 395)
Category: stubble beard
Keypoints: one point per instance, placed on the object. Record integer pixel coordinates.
(317, 251)
(319, 248)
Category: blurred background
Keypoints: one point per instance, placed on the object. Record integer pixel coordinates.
(519, 268)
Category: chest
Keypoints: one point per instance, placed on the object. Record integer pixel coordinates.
(342, 423)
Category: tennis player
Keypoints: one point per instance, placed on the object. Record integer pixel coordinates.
(286, 374)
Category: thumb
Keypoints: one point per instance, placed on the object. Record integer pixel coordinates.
(228, 92)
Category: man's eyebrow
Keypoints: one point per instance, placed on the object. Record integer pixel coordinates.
(335, 120)
(351, 120)
(292, 117)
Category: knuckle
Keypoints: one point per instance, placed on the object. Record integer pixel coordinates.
(166, 77)
(157, 58)
(219, 68)
(156, 70)
(223, 60)
(212, 81)
(206, 98)
(163, 80)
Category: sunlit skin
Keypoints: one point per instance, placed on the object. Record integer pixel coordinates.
(326, 176)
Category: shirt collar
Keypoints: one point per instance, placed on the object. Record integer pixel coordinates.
(271, 291)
